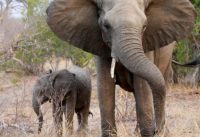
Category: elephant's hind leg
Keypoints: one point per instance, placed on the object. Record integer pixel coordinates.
(83, 121)
(58, 118)
(106, 96)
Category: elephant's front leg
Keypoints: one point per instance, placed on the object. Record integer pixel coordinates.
(144, 107)
(58, 118)
(106, 95)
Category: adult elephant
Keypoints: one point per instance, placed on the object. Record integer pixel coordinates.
(126, 30)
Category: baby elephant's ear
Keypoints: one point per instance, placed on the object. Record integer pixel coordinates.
(168, 21)
(76, 21)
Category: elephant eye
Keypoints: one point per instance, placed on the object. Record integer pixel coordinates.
(98, 13)
(106, 25)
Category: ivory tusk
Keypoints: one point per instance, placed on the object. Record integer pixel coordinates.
(112, 70)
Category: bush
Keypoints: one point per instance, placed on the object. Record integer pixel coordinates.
(37, 43)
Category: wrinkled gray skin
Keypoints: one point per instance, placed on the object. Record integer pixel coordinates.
(194, 63)
(131, 32)
(69, 92)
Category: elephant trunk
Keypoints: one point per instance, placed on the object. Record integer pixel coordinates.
(37, 110)
(127, 48)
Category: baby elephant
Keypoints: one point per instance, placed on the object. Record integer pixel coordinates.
(69, 91)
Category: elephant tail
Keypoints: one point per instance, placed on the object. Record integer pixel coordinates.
(193, 63)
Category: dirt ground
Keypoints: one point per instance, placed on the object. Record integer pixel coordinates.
(17, 118)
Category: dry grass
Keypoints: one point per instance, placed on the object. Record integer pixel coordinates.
(17, 118)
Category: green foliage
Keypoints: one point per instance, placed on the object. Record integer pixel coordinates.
(11, 64)
(36, 7)
(188, 49)
(197, 6)
(182, 54)
(15, 81)
(196, 3)
(39, 44)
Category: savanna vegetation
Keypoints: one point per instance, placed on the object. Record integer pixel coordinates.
(27, 45)
(36, 44)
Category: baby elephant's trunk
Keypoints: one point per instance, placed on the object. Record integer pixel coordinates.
(37, 110)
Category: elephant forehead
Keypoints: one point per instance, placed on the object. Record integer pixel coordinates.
(107, 4)
(121, 5)
(123, 12)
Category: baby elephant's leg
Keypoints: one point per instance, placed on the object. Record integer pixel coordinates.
(84, 119)
(79, 118)
(58, 118)
(69, 114)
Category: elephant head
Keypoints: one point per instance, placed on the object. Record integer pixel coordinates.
(123, 29)
(53, 86)
(62, 83)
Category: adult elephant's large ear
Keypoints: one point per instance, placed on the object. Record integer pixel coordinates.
(168, 21)
(76, 21)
